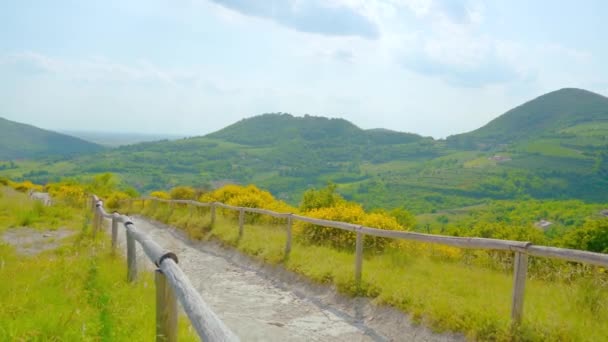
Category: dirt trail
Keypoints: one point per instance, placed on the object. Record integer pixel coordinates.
(265, 303)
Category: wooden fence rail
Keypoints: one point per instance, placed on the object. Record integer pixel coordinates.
(171, 282)
(521, 249)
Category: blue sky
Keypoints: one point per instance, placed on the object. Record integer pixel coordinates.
(433, 67)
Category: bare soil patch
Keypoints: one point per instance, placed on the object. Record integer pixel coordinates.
(30, 241)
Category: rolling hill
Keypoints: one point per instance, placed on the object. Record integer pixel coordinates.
(278, 128)
(551, 115)
(21, 141)
(278, 151)
(555, 146)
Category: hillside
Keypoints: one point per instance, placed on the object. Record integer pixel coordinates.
(278, 151)
(21, 141)
(561, 154)
(111, 139)
(278, 128)
(547, 115)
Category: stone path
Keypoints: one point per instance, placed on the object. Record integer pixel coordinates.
(264, 303)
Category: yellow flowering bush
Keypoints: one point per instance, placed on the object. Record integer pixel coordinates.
(112, 202)
(160, 195)
(70, 193)
(183, 193)
(247, 196)
(26, 186)
(345, 212)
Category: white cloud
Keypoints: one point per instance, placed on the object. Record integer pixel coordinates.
(319, 17)
(99, 69)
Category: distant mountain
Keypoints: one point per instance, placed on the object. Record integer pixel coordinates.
(278, 128)
(111, 139)
(547, 115)
(21, 141)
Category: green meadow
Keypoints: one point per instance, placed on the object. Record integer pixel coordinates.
(74, 292)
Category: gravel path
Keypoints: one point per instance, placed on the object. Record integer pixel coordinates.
(264, 303)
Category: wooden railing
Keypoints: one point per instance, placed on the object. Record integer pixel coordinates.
(521, 249)
(171, 282)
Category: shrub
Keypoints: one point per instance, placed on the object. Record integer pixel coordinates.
(503, 231)
(322, 198)
(113, 201)
(4, 181)
(351, 213)
(131, 191)
(592, 236)
(69, 192)
(26, 186)
(160, 195)
(247, 196)
(102, 184)
(182, 193)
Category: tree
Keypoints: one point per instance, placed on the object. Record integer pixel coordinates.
(322, 198)
(592, 236)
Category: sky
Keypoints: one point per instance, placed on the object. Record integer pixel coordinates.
(191, 67)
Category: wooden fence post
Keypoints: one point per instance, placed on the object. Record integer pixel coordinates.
(519, 287)
(212, 214)
(96, 220)
(131, 257)
(170, 205)
(99, 217)
(358, 257)
(288, 242)
(241, 221)
(114, 230)
(166, 309)
(94, 223)
(93, 208)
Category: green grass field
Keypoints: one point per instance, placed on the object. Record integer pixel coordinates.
(444, 288)
(76, 292)
(552, 148)
(594, 129)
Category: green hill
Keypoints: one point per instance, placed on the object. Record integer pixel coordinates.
(21, 141)
(281, 152)
(548, 115)
(273, 129)
(553, 147)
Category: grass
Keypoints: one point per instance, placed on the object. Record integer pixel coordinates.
(77, 292)
(552, 148)
(594, 129)
(445, 288)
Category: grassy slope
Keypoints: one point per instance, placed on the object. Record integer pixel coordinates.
(77, 292)
(19, 141)
(468, 292)
(543, 115)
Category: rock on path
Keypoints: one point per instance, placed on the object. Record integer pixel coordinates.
(263, 303)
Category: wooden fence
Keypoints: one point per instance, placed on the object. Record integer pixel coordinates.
(171, 283)
(521, 249)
